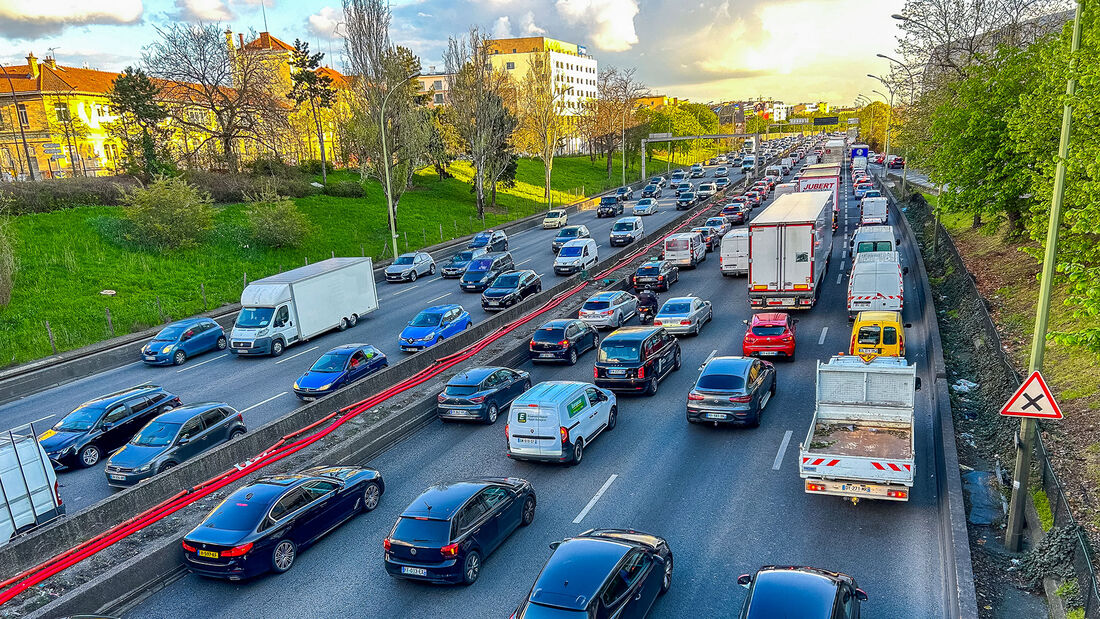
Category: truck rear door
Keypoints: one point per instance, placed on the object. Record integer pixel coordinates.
(795, 265)
(764, 251)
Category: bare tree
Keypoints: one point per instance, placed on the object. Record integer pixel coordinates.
(621, 91)
(215, 90)
(541, 114)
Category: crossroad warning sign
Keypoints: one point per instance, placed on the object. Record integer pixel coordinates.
(1032, 399)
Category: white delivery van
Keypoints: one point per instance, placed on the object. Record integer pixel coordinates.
(733, 258)
(555, 420)
(774, 170)
(28, 485)
(875, 283)
(626, 230)
(786, 163)
(748, 164)
(576, 256)
(873, 239)
(789, 246)
(685, 249)
(292, 307)
(872, 211)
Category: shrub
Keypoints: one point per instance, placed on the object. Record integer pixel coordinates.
(276, 220)
(269, 167)
(169, 213)
(61, 193)
(292, 186)
(226, 188)
(312, 166)
(345, 189)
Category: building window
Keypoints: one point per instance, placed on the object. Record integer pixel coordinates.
(439, 98)
(437, 85)
(62, 112)
(510, 66)
(513, 50)
(23, 115)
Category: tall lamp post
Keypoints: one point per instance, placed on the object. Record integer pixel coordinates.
(386, 159)
(19, 121)
(912, 101)
(889, 115)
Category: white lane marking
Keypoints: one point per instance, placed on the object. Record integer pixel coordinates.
(43, 418)
(782, 450)
(596, 497)
(519, 264)
(442, 296)
(195, 365)
(406, 289)
(297, 355)
(264, 402)
(710, 356)
(844, 253)
(843, 264)
(821, 340)
(839, 276)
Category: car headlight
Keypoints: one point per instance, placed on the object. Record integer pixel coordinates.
(142, 469)
(296, 385)
(261, 332)
(168, 348)
(323, 387)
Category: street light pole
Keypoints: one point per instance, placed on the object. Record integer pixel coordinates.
(889, 115)
(912, 101)
(622, 139)
(19, 121)
(1026, 442)
(386, 161)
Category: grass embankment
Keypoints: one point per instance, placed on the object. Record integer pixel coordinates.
(66, 258)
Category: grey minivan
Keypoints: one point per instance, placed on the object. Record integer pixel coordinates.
(172, 438)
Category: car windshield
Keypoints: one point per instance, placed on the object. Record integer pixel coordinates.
(422, 532)
(254, 317)
(716, 221)
(768, 331)
(685, 186)
(687, 196)
(506, 281)
(462, 256)
(237, 513)
(650, 187)
(608, 201)
(426, 319)
(866, 246)
(549, 334)
(156, 434)
(676, 245)
(677, 308)
(403, 260)
(79, 420)
(622, 226)
(330, 362)
(649, 270)
(567, 233)
(481, 238)
(571, 251)
(482, 264)
(596, 305)
(460, 390)
(170, 333)
(554, 214)
(617, 352)
(645, 202)
(720, 382)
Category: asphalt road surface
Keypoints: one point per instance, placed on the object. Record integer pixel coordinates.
(260, 387)
(728, 500)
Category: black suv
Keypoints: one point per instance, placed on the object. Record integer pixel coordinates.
(636, 359)
(655, 275)
(510, 288)
(100, 426)
(624, 193)
(609, 207)
(652, 191)
(482, 271)
(492, 240)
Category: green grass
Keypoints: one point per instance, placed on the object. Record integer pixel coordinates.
(1042, 505)
(65, 258)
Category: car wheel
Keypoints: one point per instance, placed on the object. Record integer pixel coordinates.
(89, 456)
(578, 452)
(276, 348)
(431, 269)
(572, 356)
(666, 580)
(222, 343)
(343, 326)
(618, 321)
(282, 557)
(613, 418)
(412, 278)
(167, 465)
(595, 341)
(676, 363)
(471, 568)
(528, 511)
(354, 320)
(179, 357)
(651, 388)
(492, 413)
(372, 492)
(235, 434)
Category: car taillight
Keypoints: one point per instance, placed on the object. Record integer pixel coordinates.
(563, 343)
(657, 323)
(188, 547)
(531, 345)
(852, 346)
(595, 372)
(564, 434)
(386, 544)
(641, 370)
(450, 550)
(897, 494)
(56, 493)
(741, 399)
(685, 322)
(694, 397)
(478, 400)
(660, 278)
(812, 487)
(237, 551)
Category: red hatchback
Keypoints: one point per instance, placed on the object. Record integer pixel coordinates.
(769, 335)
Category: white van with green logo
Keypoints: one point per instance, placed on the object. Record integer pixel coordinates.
(555, 420)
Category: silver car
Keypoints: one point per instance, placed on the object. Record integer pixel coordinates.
(684, 315)
(610, 309)
(721, 223)
(409, 266)
(645, 206)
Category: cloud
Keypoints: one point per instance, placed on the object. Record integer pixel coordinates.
(610, 22)
(502, 28)
(30, 20)
(423, 14)
(528, 26)
(323, 23)
(203, 10)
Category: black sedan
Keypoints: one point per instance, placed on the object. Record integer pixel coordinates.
(510, 288)
(624, 193)
(684, 200)
(481, 393)
(789, 591)
(263, 526)
(651, 191)
(444, 534)
(655, 275)
(601, 573)
(731, 390)
(562, 340)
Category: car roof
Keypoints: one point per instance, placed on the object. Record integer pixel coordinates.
(441, 308)
(769, 318)
(441, 501)
(550, 390)
(348, 348)
(111, 398)
(878, 316)
(793, 592)
(472, 376)
(578, 242)
(576, 571)
(631, 334)
(188, 322)
(557, 323)
(183, 413)
(604, 295)
(266, 490)
(727, 365)
(682, 299)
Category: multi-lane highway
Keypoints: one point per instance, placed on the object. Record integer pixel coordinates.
(728, 500)
(261, 387)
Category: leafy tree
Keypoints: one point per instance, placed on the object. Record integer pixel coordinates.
(275, 220)
(316, 89)
(170, 213)
(444, 143)
(541, 115)
(134, 100)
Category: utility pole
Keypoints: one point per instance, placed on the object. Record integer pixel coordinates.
(386, 161)
(1025, 444)
(912, 102)
(889, 117)
(19, 121)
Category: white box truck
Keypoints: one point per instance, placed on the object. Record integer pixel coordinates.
(28, 485)
(876, 283)
(860, 443)
(784, 188)
(789, 246)
(733, 257)
(291, 307)
(834, 151)
(872, 211)
(859, 164)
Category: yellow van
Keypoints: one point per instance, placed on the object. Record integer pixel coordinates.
(878, 334)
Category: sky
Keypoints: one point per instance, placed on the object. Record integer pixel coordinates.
(703, 50)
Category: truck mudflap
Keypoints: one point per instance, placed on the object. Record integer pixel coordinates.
(857, 490)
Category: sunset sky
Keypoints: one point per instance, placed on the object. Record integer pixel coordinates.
(792, 50)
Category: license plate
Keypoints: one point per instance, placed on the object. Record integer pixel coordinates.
(617, 372)
(408, 349)
(768, 353)
(546, 355)
(118, 477)
(308, 398)
(855, 488)
(526, 441)
(494, 303)
(714, 416)
(414, 571)
(868, 350)
(209, 554)
(150, 358)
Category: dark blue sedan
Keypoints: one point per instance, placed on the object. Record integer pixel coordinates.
(795, 591)
(182, 340)
(433, 325)
(263, 526)
(479, 394)
(445, 534)
(338, 368)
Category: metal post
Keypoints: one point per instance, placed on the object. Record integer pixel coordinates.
(49, 334)
(386, 162)
(1026, 443)
(622, 139)
(202, 288)
(110, 325)
(19, 121)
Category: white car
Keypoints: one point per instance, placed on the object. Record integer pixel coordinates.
(555, 421)
(576, 256)
(610, 309)
(555, 218)
(645, 206)
(684, 315)
(706, 190)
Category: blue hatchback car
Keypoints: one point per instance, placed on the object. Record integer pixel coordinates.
(433, 325)
(337, 368)
(182, 340)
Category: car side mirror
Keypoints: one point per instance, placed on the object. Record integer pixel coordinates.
(796, 321)
(861, 595)
(905, 270)
(554, 545)
(917, 385)
(107, 425)
(744, 580)
(184, 440)
(745, 322)
(897, 242)
(908, 325)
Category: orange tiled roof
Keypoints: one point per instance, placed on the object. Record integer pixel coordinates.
(339, 80)
(60, 79)
(266, 41)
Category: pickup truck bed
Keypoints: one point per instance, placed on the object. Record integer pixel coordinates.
(873, 441)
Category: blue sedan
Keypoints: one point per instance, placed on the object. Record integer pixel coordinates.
(339, 367)
(433, 325)
(263, 526)
(183, 339)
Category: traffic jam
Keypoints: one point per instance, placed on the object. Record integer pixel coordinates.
(775, 242)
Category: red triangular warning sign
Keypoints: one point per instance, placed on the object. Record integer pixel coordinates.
(1032, 399)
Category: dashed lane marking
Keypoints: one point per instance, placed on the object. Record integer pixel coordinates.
(782, 450)
(296, 355)
(264, 402)
(821, 340)
(195, 365)
(596, 497)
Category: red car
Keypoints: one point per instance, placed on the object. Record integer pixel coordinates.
(769, 335)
